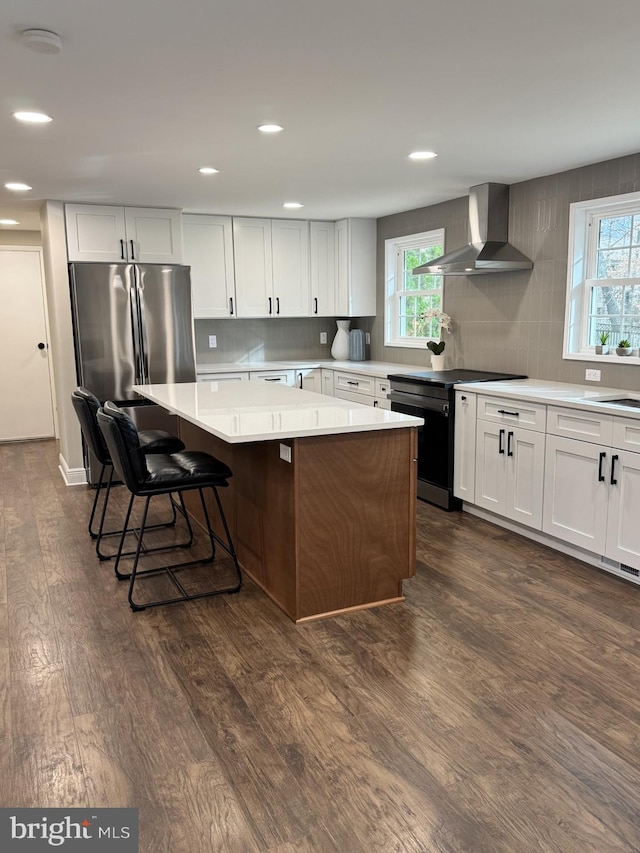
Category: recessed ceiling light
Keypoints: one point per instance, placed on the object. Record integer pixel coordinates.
(292, 204)
(422, 155)
(270, 128)
(18, 187)
(208, 170)
(9, 222)
(33, 118)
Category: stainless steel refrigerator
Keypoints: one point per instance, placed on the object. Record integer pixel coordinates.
(132, 325)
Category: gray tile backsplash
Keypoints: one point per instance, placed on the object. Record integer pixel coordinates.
(266, 340)
(514, 321)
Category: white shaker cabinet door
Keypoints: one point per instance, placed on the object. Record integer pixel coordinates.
(154, 236)
(464, 465)
(95, 233)
(525, 476)
(290, 250)
(576, 492)
(208, 250)
(490, 467)
(253, 266)
(322, 268)
(623, 527)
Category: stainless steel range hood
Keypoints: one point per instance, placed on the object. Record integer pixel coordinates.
(488, 250)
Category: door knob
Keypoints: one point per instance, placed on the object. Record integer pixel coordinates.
(41, 345)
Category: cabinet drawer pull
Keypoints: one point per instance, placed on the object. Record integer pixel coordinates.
(613, 480)
(350, 382)
(501, 441)
(505, 412)
(603, 456)
(509, 437)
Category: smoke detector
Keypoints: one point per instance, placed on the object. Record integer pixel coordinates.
(41, 41)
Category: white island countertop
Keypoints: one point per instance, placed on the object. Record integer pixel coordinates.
(236, 413)
(558, 394)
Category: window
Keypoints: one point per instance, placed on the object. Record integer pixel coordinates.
(407, 296)
(603, 283)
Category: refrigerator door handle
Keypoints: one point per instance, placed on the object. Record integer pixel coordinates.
(143, 343)
(135, 331)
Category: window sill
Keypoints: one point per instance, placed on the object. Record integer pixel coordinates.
(610, 358)
(408, 344)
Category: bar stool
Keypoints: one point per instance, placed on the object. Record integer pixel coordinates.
(150, 475)
(152, 441)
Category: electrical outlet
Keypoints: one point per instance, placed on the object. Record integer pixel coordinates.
(592, 375)
(213, 341)
(323, 337)
(367, 337)
(285, 452)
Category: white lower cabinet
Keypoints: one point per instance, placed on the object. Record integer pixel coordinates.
(327, 382)
(223, 377)
(509, 472)
(310, 379)
(283, 377)
(592, 492)
(464, 467)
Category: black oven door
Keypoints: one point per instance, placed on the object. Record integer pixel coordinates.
(435, 438)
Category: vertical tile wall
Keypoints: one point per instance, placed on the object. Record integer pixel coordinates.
(515, 321)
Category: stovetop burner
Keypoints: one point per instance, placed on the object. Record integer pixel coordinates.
(448, 378)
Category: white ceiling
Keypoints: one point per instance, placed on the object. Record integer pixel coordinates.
(145, 92)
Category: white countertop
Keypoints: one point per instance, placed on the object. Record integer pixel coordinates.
(556, 393)
(268, 412)
(380, 369)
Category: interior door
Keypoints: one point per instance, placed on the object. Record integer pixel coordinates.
(25, 380)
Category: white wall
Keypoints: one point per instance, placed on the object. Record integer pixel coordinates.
(61, 330)
(8, 237)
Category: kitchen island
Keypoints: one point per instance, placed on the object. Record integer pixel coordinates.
(322, 501)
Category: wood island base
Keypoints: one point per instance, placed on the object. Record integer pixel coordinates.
(332, 530)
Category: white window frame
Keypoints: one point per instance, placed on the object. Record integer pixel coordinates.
(393, 248)
(583, 216)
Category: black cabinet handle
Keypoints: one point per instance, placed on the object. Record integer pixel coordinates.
(603, 456)
(501, 441)
(463, 397)
(504, 412)
(43, 346)
(231, 305)
(315, 301)
(277, 304)
(133, 251)
(349, 382)
(509, 437)
(123, 257)
(375, 403)
(613, 480)
(300, 380)
(270, 306)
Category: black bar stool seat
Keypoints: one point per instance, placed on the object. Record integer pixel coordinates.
(147, 476)
(152, 441)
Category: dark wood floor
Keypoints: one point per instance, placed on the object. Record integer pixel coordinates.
(497, 709)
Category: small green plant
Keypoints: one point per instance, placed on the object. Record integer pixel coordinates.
(624, 344)
(604, 338)
(436, 347)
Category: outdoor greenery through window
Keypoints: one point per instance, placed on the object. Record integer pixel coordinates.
(603, 289)
(408, 296)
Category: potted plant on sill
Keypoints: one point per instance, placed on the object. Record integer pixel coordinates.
(624, 347)
(602, 348)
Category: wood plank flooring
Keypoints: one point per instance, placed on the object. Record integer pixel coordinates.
(496, 709)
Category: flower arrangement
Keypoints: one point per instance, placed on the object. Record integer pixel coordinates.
(444, 323)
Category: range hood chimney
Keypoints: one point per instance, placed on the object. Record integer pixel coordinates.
(488, 250)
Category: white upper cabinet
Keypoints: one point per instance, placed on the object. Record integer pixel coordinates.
(272, 267)
(208, 250)
(106, 233)
(254, 267)
(355, 268)
(290, 256)
(322, 256)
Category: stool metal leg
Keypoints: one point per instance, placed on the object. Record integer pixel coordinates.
(100, 485)
(170, 570)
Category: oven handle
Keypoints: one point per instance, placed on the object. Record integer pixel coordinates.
(428, 404)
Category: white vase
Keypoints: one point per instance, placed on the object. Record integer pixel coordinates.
(437, 361)
(340, 345)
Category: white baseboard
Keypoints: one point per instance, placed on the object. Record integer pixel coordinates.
(71, 476)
